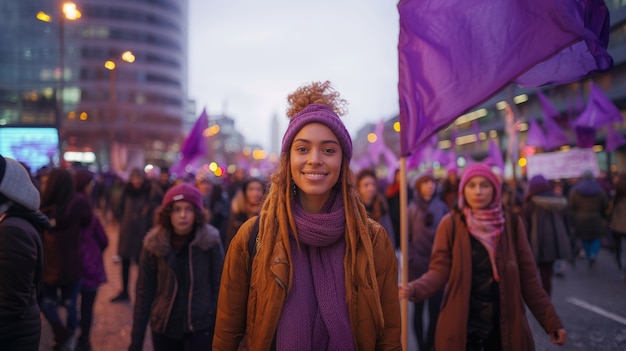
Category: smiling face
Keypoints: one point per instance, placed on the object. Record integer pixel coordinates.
(182, 217)
(315, 158)
(478, 192)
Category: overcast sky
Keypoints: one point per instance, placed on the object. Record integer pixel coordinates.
(246, 56)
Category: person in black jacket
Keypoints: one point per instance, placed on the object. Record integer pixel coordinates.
(21, 258)
(179, 274)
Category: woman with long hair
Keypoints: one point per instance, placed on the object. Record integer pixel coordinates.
(482, 256)
(319, 274)
(246, 203)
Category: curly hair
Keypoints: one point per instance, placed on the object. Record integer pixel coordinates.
(164, 215)
(316, 93)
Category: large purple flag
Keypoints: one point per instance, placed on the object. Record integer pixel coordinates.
(613, 139)
(535, 136)
(600, 111)
(456, 54)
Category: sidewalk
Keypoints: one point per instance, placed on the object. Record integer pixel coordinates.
(112, 322)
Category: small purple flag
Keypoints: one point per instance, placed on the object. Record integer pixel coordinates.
(495, 154)
(585, 136)
(613, 139)
(535, 136)
(557, 137)
(194, 145)
(455, 54)
(600, 111)
(548, 109)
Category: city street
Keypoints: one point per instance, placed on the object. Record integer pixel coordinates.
(591, 303)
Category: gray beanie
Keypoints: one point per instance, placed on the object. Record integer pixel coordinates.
(16, 184)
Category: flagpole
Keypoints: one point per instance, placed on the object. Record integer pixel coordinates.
(404, 248)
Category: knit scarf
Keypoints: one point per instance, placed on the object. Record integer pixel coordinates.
(315, 314)
(486, 225)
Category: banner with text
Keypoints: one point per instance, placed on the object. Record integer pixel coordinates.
(563, 165)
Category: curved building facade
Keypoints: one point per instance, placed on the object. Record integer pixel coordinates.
(127, 113)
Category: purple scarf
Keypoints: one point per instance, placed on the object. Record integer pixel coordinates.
(315, 314)
(486, 225)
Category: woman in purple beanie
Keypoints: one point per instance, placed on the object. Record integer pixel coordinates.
(482, 256)
(179, 273)
(323, 276)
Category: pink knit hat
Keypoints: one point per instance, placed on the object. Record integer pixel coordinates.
(483, 170)
(184, 192)
(317, 113)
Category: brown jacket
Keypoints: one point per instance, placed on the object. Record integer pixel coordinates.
(451, 263)
(245, 310)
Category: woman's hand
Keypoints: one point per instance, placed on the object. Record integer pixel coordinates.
(559, 337)
(404, 291)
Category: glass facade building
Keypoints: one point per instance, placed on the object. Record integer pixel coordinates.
(53, 74)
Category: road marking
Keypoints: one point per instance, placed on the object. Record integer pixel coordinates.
(596, 309)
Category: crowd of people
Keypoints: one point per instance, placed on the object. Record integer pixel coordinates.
(305, 259)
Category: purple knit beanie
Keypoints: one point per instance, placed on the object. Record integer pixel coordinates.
(483, 170)
(538, 183)
(317, 113)
(185, 192)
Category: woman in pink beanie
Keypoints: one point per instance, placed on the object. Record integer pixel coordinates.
(316, 273)
(482, 256)
(179, 273)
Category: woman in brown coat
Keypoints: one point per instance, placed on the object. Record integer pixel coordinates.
(323, 276)
(484, 257)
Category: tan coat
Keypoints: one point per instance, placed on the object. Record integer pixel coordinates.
(256, 314)
(451, 263)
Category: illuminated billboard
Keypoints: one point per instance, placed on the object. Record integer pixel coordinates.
(35, 147)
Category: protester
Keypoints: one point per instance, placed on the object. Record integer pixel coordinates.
(21, 258)
(392, 194)
(93, 241)
(215, 202)
(450, 186)
(246, 204)
(618, 217)
(179, 275)
(588, 204)
(135, 213)
(69, 214)
(483, 256)
(375, 203)
(547, 225)
(322, 276)
(424, 214)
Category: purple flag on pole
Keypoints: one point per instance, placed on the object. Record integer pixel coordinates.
(613, 139)
(495, 154)
(600, 111)
(557, 137)
(194, 145)
(585, 136)
(535, 136)
(455, 54)
(548, 109)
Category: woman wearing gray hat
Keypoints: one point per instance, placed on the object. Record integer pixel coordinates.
(21, 258)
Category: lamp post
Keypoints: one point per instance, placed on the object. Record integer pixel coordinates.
(67, 11)
(113, 120)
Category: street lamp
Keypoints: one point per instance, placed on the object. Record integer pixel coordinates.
(68, 12)
(129, 57)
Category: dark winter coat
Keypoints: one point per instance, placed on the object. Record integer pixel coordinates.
(93, 242)
(158, 283)
(21, 274)
(588, 204)
(451, 264)
(546, 220)
(64, 262)
(135, 214)
(421, 235)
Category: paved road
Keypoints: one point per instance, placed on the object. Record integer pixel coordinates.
(592, 304)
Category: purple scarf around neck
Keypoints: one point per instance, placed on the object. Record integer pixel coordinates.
(315, 314)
